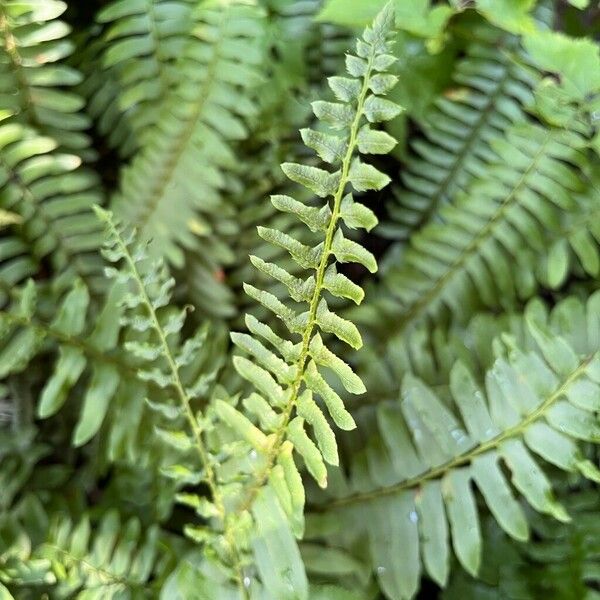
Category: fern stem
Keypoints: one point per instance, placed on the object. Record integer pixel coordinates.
(10, 45)
(89, 350)
(184, 400)
(463, 459)
(300, 364)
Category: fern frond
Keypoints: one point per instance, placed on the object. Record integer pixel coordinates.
(490, 88)
(169, 366)
(52, 196)
(143, 44)
(540, 397)
(112, 560)
(288, 383)
(468, 260)
(176, 182)
(33, 44)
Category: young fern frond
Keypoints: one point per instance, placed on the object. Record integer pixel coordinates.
(414, 479)
(286, 385)
(151, 291)
(167, 365)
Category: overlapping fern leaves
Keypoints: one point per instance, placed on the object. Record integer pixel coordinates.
(538, 398)
(112, 395)
(491, 86)
(177, 180)
(42, 146)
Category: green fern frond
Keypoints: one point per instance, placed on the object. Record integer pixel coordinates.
(539, 397)
(489, 238)
(52, 196)
(33, 44)
(143, 44)
(176, 182)
(114, 559)
(170, 366)
(490, 88)
(285, 383)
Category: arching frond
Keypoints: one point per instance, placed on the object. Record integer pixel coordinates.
(415, 479)
(52, 196)
(176, 182)
(33, 44)
(483, 251)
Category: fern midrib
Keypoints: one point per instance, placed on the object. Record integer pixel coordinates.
(11, 47)
(109, 578)
(300, 364)
(459, 461)
(482, 119)
(87, 349)
(424, 300)
(69, 257)
(187, 132)
(184, 400)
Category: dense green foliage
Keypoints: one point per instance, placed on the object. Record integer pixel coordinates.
(298, 299)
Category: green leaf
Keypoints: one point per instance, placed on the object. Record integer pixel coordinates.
(577, 61)
(395, 544)
(330, 148)
(96, 403)
(317, 219)
(346, 250)
(317, 180)
(341, 328)
(462, 514)
(339, 285)
(275, 551)
(261, 379)
(335, 114)
(295, 486)
(335, 405)
(344, 88)
(512, 15)
(371, 141)
(379, 109)
(364, 177)
(308, 410)
(307, 449)
(325, 357)
(242, 425)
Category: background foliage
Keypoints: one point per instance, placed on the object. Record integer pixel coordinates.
(164, 434)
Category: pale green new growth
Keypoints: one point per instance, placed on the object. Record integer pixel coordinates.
(288, 383)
